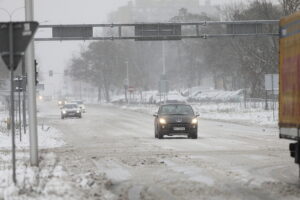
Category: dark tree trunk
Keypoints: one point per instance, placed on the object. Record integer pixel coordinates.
(99, 94)
(106, 89)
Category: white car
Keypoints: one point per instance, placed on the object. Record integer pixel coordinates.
(80, 104)
(70, 110)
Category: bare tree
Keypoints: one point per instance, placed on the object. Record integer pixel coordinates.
(290, 6)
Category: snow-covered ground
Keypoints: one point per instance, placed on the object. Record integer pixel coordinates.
(198, 94)
(77, 171)
(231, 112)
(48, 137)
(227, 161)
(54, 179)
(236, 112)
(28, 178)
(209, 94)
(212, 104)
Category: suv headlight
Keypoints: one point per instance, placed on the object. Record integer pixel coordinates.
(195, 121)
(64, 112)
(162, 121)
(78, 111)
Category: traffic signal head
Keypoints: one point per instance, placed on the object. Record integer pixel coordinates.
(36, 72)
(50, 73)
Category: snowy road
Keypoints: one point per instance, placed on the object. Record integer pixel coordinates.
(227, 161)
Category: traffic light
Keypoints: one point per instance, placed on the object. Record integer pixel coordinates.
(36, 72)
(50, 73)
(295, 152)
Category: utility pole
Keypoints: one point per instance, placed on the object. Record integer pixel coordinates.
(164, 67)
(19, 106)
(12, 99)
(164, 58)
(127, 82)
(29, 59)
(24, 93)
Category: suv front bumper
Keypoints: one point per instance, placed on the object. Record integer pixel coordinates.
(177, 129)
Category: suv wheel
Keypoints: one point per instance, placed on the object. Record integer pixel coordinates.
(160, 136)
(193, 135)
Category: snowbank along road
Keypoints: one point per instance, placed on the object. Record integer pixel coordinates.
(227, 161)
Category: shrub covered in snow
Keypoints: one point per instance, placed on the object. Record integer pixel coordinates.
(209, 95)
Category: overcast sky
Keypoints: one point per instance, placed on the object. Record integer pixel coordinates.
(56, 55)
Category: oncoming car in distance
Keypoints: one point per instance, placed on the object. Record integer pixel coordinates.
(70, 110)
(176, 119)
(61, 102)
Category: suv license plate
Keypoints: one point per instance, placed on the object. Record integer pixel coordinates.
(179, 128)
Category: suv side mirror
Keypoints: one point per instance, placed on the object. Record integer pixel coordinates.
(197, 114)
(155, 115)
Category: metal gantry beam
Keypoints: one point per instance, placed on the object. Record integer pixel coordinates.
(203, 36)
(163, 31)
(201, 23)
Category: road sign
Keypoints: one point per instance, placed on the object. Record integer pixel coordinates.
(244, 28)
(131, 89)
(22, 35)
(157, 32)
(272, 82)
(163, 86)
(18, 84)
(72, 31)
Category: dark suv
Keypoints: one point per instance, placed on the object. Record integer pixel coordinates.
(176, 119)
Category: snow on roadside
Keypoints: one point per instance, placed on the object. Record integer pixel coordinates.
(235, 112)
(51, 180)
(230, 112)
(48, 137)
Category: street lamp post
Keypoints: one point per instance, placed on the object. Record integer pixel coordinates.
(164, 67)
(30, 65)
(164, 58)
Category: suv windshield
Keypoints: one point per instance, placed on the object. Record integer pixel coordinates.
(69, 106)
(176, 110)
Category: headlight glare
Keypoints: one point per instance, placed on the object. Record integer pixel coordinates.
(162, 121)
(195, 121)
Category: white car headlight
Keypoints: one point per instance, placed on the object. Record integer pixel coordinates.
(195, 121)
(78, 111)
(162, 121)
(64, 112)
